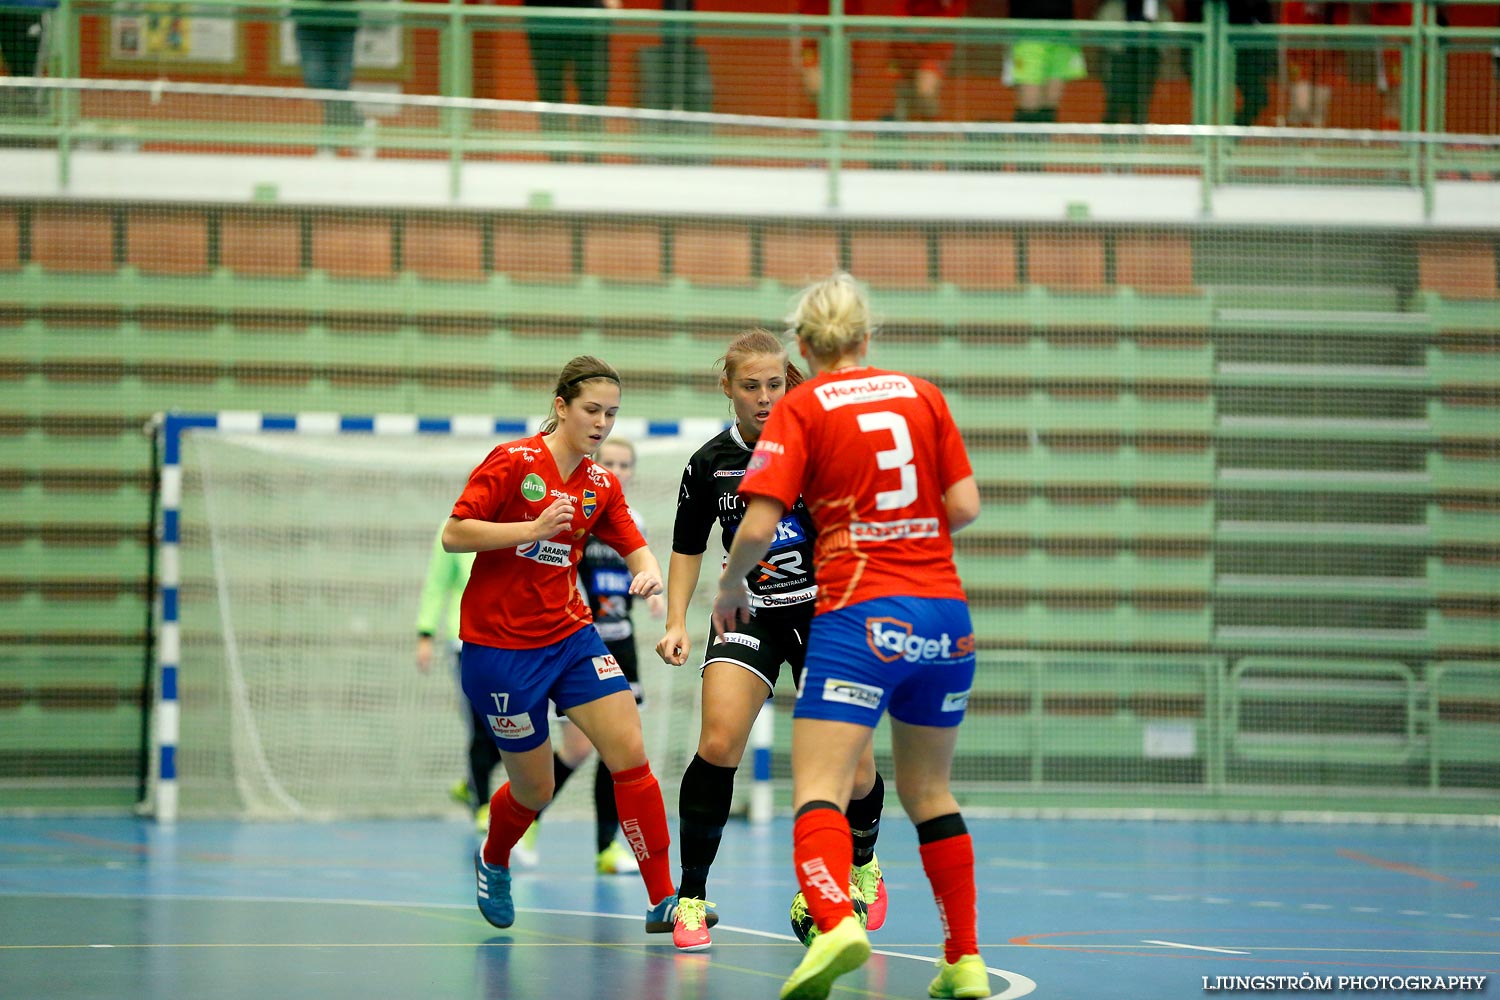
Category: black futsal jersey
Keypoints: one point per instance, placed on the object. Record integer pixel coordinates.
(710, 492)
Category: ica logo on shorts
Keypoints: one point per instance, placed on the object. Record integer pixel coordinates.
(511, 727)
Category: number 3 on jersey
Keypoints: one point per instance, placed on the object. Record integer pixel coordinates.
(897, 457)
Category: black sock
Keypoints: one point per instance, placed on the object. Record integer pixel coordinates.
(483, 756)
(561, 772)
(605, 810)
(864, 821)
(702, 811)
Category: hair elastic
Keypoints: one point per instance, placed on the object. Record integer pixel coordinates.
(591, 375)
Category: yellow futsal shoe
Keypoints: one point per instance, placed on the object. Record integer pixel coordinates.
(965, 978)
(526, 852)
(830, 955)
(616, 860)
(482, 819)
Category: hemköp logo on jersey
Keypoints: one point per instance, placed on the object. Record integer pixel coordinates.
(892, 639)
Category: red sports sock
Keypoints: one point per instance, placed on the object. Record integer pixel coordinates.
(508, 820)
(643, 820)
(823, 852)
(949, 864)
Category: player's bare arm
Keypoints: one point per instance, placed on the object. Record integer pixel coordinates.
(751, 541)
(682, 579)
(645, 572)
(962, 504)
(464, 534)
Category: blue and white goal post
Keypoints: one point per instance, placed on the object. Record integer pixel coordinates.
(292, 550)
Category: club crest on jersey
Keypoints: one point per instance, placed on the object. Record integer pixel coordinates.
(590, 502)
(511, 727)
(532, 487)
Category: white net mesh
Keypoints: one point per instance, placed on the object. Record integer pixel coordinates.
(303, 558)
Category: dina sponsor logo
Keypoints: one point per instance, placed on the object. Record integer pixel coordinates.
(892, 639)
(533, 488)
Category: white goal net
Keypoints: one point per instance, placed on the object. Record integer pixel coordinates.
(302, 558)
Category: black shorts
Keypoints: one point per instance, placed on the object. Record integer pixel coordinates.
(771, 637)
(623, 651)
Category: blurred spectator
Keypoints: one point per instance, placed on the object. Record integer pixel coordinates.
(1388, 62)
(1252, 65)
(1040, 68)
(919, 67)
(563, 47)
(22, 29)
(325, 47)
(1130, 66)
(1312, 73)
(916, 67)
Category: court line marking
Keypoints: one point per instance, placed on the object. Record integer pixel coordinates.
(1020, 985)
(1405, 869)
(1195, 947)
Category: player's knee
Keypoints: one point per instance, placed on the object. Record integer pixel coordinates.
(721, 749)
(623, 753)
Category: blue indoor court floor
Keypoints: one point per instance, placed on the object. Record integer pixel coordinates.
(1073, 909)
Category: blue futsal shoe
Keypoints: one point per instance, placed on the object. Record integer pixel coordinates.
(493, 884)
(663, 916)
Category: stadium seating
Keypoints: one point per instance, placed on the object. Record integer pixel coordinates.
(1162, 467)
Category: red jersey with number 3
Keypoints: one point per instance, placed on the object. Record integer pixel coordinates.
(526, 596)
(871, 452)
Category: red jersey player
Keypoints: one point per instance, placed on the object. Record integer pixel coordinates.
(916, 67)
(528, 636)
(880, 464)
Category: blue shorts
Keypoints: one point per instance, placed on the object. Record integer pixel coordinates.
(509, 688)
(911, 655)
